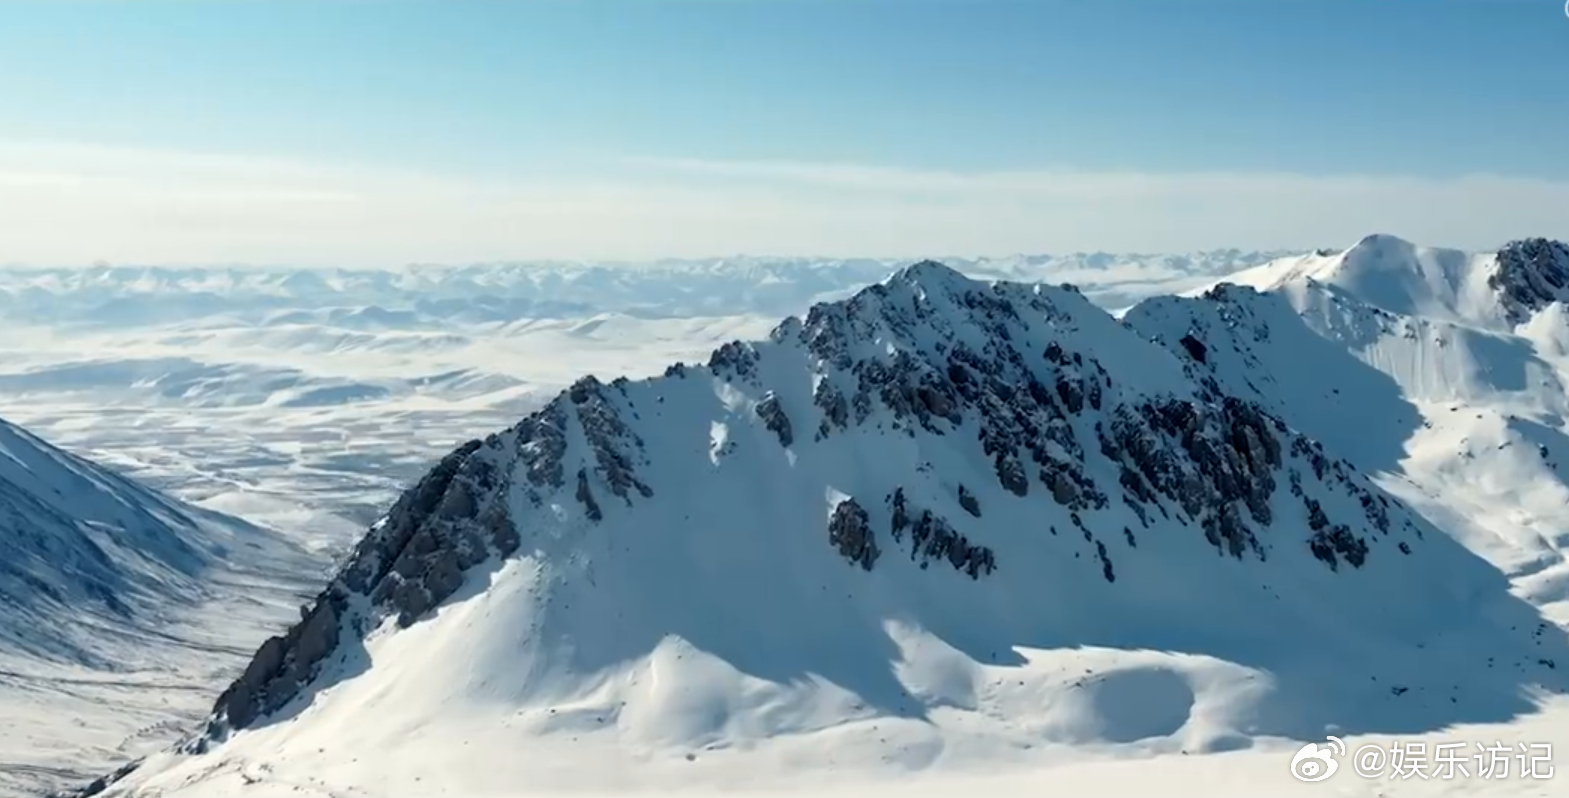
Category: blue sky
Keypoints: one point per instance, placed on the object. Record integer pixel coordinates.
(889, 110)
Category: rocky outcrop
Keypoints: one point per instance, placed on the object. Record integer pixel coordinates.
(774, 418)
(1215, 460)
(850, 531)
(932, 538)
(968, 501)
(1531, 274)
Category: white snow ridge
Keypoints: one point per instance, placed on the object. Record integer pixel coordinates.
(939, 526)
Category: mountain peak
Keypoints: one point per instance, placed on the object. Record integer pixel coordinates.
(1380, 249)
(1531, 274)
(931, 275)
(1383, 241)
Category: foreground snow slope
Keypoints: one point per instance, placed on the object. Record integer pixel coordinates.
(104, 585)
(939, 525)
(1442, 369)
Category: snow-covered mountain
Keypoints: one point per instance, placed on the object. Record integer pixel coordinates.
(1445, 370)
(939, 523)
(100, 581)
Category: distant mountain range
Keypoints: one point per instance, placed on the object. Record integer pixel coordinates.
(431, 296)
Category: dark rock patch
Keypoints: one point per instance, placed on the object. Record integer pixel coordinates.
(850, 531)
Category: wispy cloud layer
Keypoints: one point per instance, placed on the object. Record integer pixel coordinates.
(74, 204)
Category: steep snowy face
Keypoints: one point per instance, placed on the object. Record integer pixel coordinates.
(1467, 423)
(861, 516)
(80, 542)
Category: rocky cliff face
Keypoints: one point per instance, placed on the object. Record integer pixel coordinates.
(1080, 422)
(1532, 273)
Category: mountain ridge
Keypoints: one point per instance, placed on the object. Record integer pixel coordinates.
(993, 410)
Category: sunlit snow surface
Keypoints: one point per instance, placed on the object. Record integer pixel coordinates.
(306, 402)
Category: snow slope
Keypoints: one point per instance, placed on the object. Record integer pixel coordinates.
(101, 580)
(1441, 369)
(938, 526)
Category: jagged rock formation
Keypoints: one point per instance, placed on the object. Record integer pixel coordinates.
(453, 519)
(1531, 274)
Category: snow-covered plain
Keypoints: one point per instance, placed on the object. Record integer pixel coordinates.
(306, 400)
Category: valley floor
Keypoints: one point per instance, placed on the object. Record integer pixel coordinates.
(65, 725)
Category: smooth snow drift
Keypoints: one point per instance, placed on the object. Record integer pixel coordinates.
(939, 525)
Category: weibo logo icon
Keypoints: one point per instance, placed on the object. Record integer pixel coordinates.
(1314, 763)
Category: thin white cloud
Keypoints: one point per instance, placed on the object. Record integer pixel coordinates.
(73, 204)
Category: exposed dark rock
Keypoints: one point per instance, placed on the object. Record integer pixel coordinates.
(851, 533)
(1195, 348)
(1071, 395)
(775, 420)
(586, 496)
(737, 358)
(968, 501)
(1338, 539)
(1011, 475)
(898, 515)
(1316, 518)
(933, 538)
(836, 411)
(98, 785)
(1531, 275)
